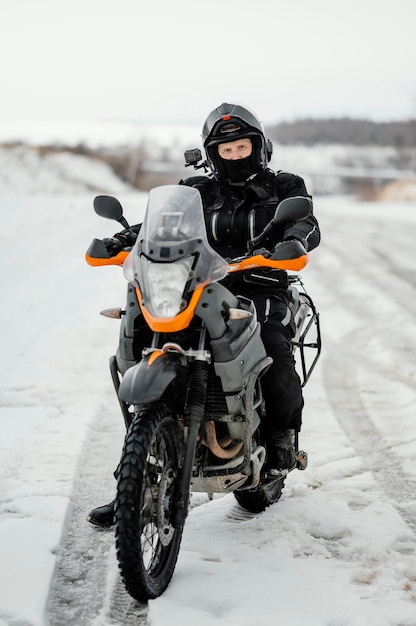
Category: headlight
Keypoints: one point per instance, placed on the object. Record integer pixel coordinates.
(163, 285)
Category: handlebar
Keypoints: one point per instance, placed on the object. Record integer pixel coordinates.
(291, 256)
(236, 265)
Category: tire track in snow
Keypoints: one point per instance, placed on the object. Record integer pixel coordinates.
(362, 271)
(86, 589)
(342, 388)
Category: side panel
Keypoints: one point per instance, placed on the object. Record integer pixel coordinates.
(234, 373)
(215, 301)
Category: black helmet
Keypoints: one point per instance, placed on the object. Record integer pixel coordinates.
(230, 122)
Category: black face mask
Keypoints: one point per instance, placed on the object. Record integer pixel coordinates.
(238, 170)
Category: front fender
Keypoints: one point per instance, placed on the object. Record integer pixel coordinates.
(146, 381)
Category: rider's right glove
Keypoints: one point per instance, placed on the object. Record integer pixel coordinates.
(113, 245)
(122, 240)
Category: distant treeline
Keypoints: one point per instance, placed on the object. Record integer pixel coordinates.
(344, 131)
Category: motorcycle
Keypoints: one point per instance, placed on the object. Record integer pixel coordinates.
(192, 400)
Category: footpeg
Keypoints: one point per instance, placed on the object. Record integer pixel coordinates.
(301, 460)
(275, 474)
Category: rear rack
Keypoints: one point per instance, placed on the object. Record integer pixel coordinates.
(305, 312)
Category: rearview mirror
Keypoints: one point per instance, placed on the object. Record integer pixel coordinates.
(110, 208)
(288, 210)
(292, 210)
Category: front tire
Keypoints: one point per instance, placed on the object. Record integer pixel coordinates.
(147, 543)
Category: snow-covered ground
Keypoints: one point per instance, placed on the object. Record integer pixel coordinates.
(337, 550)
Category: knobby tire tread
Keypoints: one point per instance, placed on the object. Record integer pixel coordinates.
(141, 581)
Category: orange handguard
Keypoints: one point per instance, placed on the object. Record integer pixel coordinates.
(113, 260)
(259, 260)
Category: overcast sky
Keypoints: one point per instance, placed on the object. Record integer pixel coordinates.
(175, 60)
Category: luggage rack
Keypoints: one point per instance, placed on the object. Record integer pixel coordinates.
(305, 312)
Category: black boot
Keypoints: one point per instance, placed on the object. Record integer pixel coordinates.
(281, 449)
(102, 516)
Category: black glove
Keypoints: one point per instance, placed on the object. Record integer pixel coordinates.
(302, 241)
(122, 240)
(264, 251)
(127, 238)
(113, 245)
(290, 248)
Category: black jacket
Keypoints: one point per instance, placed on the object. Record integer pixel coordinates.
(234, 215)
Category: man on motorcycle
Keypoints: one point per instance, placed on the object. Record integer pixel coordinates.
(239, 198)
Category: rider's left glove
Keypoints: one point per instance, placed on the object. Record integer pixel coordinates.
(289, 248)
(302, 241)
(264, 251)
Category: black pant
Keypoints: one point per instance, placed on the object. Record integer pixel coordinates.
(281, 384)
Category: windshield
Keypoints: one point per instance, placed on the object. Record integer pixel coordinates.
(174, 228)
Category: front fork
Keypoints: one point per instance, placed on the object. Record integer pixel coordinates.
(194, 415)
